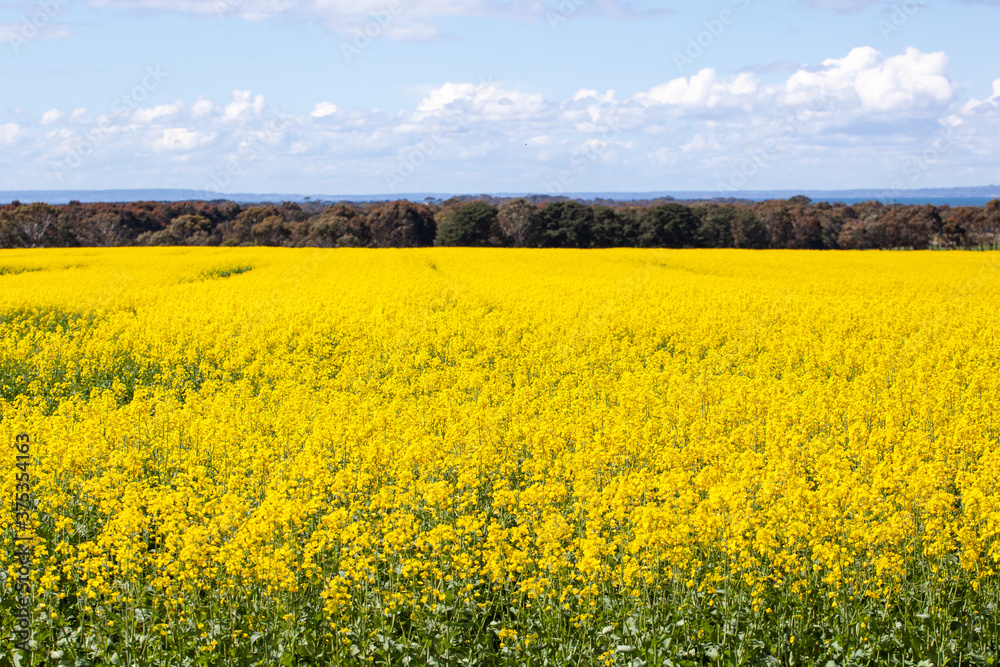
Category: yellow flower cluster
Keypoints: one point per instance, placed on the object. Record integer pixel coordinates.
(435, 429)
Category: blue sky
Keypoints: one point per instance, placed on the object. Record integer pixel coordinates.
(394, 96)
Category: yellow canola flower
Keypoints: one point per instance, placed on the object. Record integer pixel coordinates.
(426, 425)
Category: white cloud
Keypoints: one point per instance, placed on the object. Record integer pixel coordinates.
(912, 80)
(439, 98)
(181, 139)
(244, 101)
(703, 89)
(593, 95)
(989, 106)
(589, 111)
(462, 102)
(835, 74)
(144, 116)
(10, 133)
(51, 116)
(324, 109)
(201, 107)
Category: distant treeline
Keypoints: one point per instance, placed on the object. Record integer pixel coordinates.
(541, 222)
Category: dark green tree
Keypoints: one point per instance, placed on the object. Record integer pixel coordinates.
(468, 224)
(630, 219)
(716, 227)
(565, 224)
(670, 226)
(608, 230)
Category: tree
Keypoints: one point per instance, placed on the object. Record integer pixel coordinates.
(964, 226)
(184, 230)
(239, 230)
(670, 226)
(928, 217)
(191, 230)
(469, 224)
(334, 226)
(402, 224)
(31, 223)
(893, 228)
(831, 222)
(139, 217)
(325, 230)
(517, 220)
(104, 229)
(875, 228)
(565, 224)
(608, 231)
(292, 212)
(776, 216)
(991, 224)
(906, 228)
(807, 232)
(863, 227)
(630, 221)
(271, 231)
(8, 237)
(748, 231)
(716, 227)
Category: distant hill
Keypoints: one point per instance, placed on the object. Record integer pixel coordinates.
(966, 196)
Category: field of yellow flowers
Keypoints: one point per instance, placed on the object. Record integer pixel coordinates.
(250, 456)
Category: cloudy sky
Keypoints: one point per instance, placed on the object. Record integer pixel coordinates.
(545, 96)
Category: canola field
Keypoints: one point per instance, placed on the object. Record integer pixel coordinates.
(252, 456)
